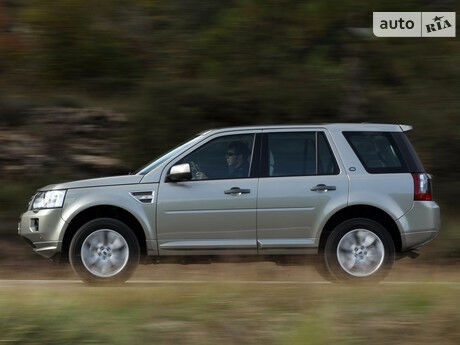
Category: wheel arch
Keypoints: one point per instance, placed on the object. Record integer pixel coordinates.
(103, 211)
(361, 211)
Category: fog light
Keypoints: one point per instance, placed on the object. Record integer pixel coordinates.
(34, 224)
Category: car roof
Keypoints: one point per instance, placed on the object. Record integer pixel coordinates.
(329, 126)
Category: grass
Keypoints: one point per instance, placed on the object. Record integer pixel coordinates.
(231, 314)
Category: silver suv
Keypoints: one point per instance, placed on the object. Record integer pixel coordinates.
(356, 194)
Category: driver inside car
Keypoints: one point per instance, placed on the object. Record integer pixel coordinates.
(237, 162)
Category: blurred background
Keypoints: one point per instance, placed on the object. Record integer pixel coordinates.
(98, 88)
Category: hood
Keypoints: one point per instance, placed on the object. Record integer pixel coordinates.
(96, 182)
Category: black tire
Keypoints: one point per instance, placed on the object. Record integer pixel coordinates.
(91, 227)
(331, 261)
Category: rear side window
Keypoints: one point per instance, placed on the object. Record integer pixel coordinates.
(297, 154)
(291, 154)
(326, 161)
(378, 151)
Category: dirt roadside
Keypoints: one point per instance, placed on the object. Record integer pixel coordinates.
(18, 261)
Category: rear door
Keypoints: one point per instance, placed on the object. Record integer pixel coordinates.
(301, 182)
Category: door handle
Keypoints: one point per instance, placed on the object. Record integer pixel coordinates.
(237, 191)
(322, 188)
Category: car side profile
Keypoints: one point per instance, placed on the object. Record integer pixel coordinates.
(356, 195)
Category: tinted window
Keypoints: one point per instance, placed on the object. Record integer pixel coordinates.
(326, 161)
(408, 153)
(225, 157)
(296, 154)
(377, 151)
(291, 154)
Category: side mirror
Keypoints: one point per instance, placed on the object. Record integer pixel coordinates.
(180, 172)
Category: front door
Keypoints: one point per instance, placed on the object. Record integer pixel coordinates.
(300, 182)
(215, 212)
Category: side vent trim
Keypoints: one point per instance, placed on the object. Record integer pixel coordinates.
(144, 197)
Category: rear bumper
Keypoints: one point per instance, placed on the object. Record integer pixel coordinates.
(420, 224)
(41, 230)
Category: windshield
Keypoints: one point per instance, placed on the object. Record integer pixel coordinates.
(159, 160)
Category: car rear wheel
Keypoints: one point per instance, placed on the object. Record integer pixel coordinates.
(359, 249)
(104, 251)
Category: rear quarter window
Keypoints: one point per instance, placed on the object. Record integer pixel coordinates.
(378, 152)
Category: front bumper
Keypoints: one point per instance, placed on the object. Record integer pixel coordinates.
(420, 225)
(41, 229)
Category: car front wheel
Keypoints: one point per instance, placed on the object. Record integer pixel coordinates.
(104, 251)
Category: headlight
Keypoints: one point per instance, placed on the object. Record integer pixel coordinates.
(49, 199)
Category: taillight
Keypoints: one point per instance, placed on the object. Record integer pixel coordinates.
(422, 186)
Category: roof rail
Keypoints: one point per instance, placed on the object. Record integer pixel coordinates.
(405, 128)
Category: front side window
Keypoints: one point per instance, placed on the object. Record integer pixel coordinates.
(298, 154)
(226, 157)
(377, 151)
